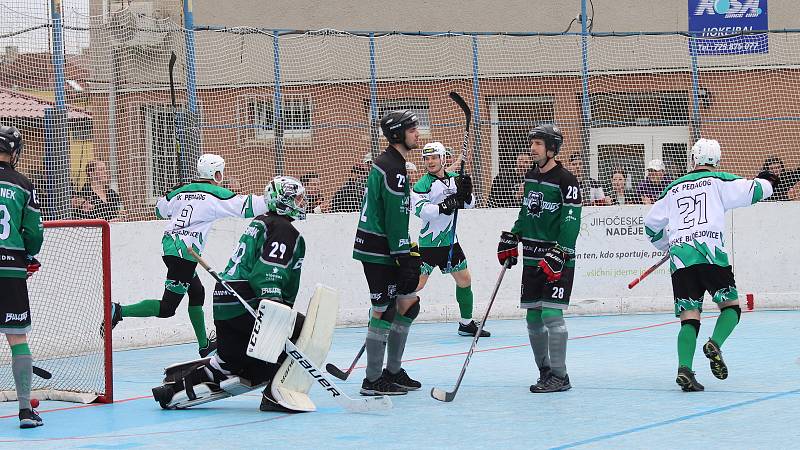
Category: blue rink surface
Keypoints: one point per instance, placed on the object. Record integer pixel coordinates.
(624, 395)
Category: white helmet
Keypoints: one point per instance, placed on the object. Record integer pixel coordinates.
(434, 148)
(208, 165)
(706, 152)
(280, 195)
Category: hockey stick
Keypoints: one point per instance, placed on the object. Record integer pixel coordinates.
(444, 396)
(467, 119)
(172, 60)
(41, 373)
(338, 373)
(367, 404)
(648, 271)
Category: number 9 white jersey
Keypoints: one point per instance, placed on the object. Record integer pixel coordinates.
(689, 217)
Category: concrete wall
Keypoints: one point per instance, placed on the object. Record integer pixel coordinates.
(610, 255)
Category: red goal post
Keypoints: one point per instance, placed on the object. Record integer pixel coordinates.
(70, 299)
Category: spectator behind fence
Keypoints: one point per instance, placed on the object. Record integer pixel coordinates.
(775, 165)
(96, 199)
(315, 201)
(654, 183)
(620, 193)
(592, 192)
(348, 197)
(507, 186)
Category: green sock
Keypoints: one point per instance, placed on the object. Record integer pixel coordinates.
(726, 322)
(199, 325)
(464, 299)
(145, 308)
(687, 341)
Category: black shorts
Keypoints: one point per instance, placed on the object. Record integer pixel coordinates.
(382, 281)
(437, 256)
(690, 284)
(15, 310)
(538, 293)
(233, 336)
(181, 279)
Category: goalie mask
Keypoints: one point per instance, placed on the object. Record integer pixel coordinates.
(706, 152)
(208, 165)
(286, 196)
(11, 142)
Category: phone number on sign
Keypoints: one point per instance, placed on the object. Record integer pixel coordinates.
(731, 47)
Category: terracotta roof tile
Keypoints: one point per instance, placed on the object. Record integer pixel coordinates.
(18, 105)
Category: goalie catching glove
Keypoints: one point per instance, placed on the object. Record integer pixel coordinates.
(409, 270)
(553, 263)
(507, 248)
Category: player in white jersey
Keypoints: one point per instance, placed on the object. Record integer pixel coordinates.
(435, 197)
(688, 219)
(192, 208)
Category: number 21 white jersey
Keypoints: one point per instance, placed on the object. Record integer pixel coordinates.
(689, 217)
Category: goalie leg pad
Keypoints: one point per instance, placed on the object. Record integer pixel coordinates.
(290, 386)
(273, 325)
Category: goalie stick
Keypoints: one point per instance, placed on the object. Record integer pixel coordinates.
(342, 375)
(467, 119)
(367, 404)
(445, 396)
(648, 271)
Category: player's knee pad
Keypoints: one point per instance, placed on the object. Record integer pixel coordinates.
(388, 315)
(736, 308)
(555, 324)
(413, 311)
(694, 323)
(169, 304)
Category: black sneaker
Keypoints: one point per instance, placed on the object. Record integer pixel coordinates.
(211, 346)
(29, 418)
(116, 317)
(402, 379)
(714, 354)
(544, 374)
(553, 383)
(381, 386)
(470, 329)
(686, 380)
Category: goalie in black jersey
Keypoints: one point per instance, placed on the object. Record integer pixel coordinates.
(21, 236)
(548, 225)
(266, 264)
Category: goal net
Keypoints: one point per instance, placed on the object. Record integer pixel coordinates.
(308, 103)
(70, 301)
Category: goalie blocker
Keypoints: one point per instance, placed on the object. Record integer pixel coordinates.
(251, 355)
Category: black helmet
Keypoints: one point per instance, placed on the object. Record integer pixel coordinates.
(551, 136)
(10, 142)
(395, 123)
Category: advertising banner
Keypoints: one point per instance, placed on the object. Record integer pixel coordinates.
(723, 27)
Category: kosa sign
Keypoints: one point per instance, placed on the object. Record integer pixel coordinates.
(725, 27)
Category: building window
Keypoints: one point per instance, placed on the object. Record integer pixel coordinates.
(162, 161)
(296, 114)
(648, 109)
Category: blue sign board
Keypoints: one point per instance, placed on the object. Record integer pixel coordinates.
(711, 21)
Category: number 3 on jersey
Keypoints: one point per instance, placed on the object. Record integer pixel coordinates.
(364, 208)
(5, 223)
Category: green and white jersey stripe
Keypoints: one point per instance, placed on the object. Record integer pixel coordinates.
(689, 216)
(426, 196)
(21, 230)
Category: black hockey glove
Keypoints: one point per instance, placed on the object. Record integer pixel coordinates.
(450, 204)
(774, 179)
(553, 263)
(464, 188)
(408, 271)
(33, 266)
(507, 248)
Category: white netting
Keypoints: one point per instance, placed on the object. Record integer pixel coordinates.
(296, 104)
(67, 309)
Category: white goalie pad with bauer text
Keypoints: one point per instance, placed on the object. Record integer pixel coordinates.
(274, 324)
(291, 384)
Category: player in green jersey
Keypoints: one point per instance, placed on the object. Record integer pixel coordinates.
(434, 198)
(21, 236)
(548, 225)
(383, 246)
